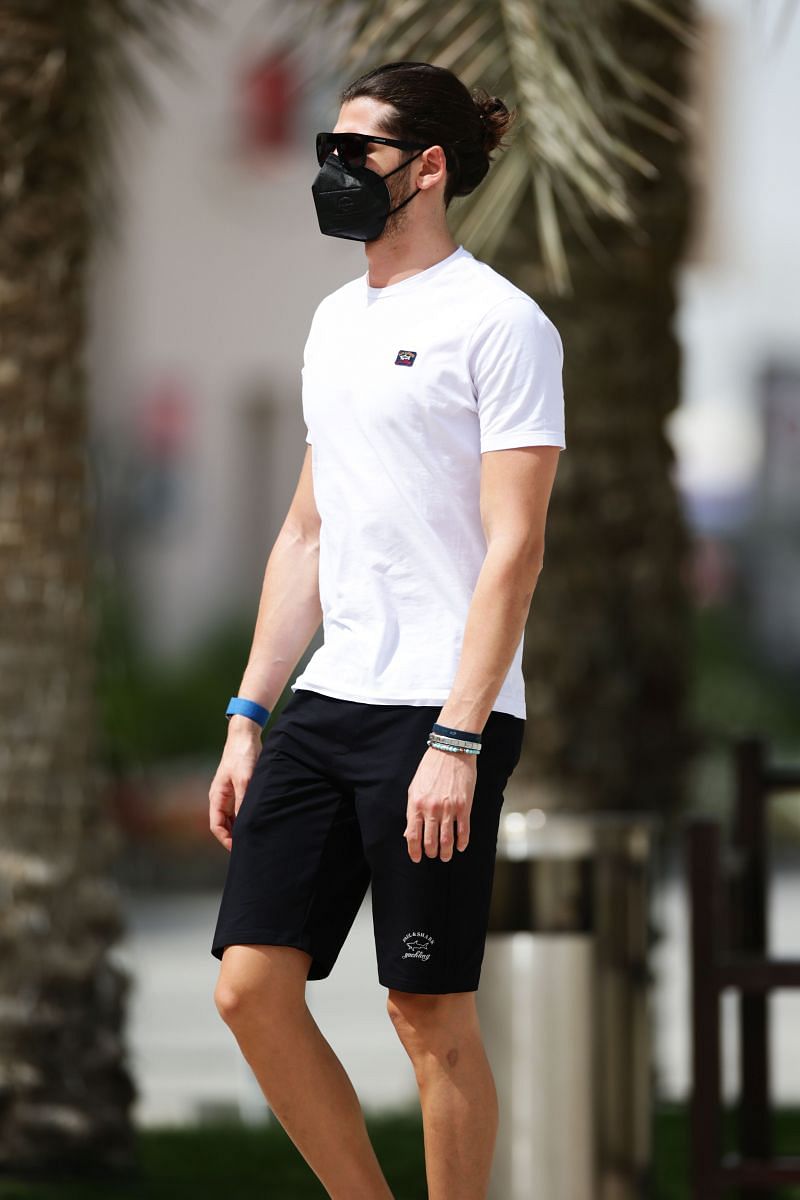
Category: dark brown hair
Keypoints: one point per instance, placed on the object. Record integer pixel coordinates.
(432, 104)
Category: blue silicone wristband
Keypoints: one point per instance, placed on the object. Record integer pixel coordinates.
(247, 708)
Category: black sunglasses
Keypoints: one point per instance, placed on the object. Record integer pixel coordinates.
(352, 147)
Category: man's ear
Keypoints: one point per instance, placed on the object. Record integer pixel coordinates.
(431, 165)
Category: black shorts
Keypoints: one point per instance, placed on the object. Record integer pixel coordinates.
(324, 816)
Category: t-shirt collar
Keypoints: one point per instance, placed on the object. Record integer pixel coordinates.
(412, 281)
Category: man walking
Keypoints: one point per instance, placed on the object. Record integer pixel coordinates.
(433, 402)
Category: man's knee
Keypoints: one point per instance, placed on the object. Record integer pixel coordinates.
(424, 1023)
(262, 977)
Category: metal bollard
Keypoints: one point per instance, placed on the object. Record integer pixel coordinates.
(563, 1006)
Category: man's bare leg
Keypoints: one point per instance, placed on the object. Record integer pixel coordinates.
(260, 994)
(460, 1111)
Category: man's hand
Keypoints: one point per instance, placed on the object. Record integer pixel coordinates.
(441, 792)
(229, 785)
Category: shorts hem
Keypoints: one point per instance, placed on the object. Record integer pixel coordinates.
(429, 989)
(267, 937)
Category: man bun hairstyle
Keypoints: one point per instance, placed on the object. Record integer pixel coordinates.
(431, 104)
(494, 117)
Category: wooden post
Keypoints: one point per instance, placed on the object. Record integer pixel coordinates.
(705, 895)
(750, 840)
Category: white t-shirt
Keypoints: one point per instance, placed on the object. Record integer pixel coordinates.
(404, 387)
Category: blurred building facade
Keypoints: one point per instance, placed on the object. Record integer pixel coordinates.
(737, 432)
(201, 308)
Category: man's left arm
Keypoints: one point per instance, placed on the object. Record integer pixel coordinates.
(515, 493)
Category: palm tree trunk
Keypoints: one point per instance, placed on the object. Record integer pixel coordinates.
(64, 1086)
(608, 641)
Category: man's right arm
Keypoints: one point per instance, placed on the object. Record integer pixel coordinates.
(289, 614)
(289, 611)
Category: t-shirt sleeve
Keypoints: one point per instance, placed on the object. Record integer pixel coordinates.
(515, 360)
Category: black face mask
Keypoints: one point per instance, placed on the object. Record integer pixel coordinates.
(354, 202)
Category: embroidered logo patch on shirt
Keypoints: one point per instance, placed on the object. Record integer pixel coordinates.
(405, 358)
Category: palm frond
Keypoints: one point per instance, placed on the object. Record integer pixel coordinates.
(555, 62)
(659, 12)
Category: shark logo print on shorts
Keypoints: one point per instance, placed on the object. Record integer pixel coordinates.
(405, 358)
(418, 945)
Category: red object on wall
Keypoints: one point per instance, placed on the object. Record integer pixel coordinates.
(267, 90)
(165, 417)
